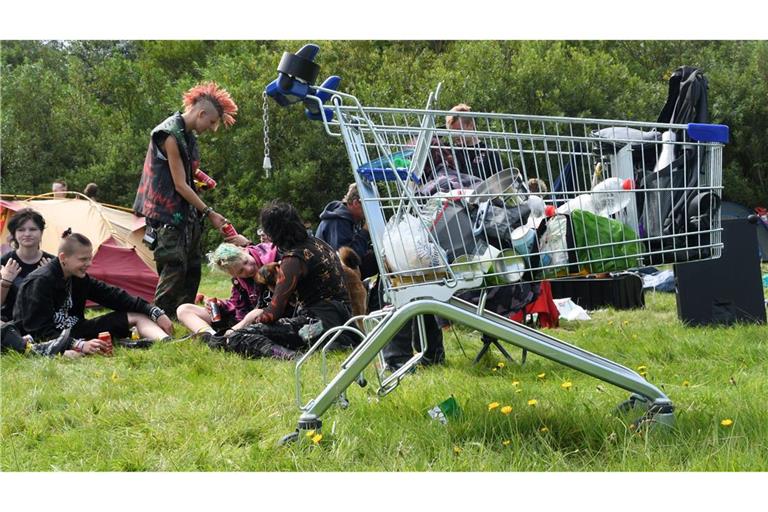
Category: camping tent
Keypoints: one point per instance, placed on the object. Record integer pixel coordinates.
(729, 210)
(120, 257)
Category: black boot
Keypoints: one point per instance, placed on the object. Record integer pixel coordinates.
(213, 341)
(282, 353)
(53, 347)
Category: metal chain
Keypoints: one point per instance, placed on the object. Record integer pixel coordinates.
(265, 116)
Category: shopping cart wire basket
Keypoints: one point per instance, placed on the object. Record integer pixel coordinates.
(482, 200)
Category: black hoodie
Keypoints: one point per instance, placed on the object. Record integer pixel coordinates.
(338, 228)
(47, 303)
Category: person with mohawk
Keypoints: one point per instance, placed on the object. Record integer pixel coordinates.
(166, 196)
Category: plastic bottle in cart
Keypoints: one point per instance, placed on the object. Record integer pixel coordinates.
(608, 197)
(612, 195)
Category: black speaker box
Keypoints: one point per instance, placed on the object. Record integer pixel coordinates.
(724, 290)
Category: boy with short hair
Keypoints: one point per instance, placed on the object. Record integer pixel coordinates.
(52, 299)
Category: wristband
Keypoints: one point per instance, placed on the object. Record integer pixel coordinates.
(78, 346)
(155, 313)
(207, 210)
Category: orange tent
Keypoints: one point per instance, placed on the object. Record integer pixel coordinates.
(120, 257)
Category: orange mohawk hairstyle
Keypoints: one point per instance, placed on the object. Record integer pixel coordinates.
(219, 98)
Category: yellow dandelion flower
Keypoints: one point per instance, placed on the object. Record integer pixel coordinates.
(515, 383)
(727, 422)
(610, 322)
(114, 377)
(643, 374)
(544, 430)
(506, 442)
(532, 402)
(493, 405)
(518, 391)
(566, 385)
(310, 433)
(625, 322)
(494, 369)
(456, 450)
(686, 383)
(317, 438)
(506, 409)
(541, 376)
(500, 365)
(642, 368)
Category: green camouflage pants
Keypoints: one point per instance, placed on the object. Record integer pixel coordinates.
(178, 257)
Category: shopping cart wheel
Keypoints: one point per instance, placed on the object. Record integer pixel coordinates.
(632, 403)
(288, 438)
(657, 415)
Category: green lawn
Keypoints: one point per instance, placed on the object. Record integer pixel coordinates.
(182, 407)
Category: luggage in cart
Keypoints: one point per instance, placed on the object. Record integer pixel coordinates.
(460, 207)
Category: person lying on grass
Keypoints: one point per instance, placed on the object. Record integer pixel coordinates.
(311, 272)
(53, 297)
(248, 297)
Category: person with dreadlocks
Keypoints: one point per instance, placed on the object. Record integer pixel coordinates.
(166, 197)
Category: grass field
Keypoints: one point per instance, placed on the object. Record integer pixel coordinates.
(181, 407)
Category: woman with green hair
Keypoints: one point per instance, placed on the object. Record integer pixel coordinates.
(248, 296)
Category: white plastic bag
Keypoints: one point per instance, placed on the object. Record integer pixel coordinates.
(407, 246)
(569, 310)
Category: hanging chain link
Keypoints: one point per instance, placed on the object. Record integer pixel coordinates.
(265, 116)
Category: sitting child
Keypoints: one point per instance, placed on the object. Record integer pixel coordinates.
(52, 299)
(248, 298)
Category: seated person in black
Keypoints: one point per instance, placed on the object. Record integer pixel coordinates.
(53, 297)
(310, 272)
(26, 229)
(342, 223)
(471, 155)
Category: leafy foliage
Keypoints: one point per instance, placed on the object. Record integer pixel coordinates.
(83, 110)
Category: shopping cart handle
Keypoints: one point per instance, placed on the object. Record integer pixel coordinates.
(323, 94)
(296, 75)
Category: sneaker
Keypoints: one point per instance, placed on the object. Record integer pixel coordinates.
(53, 347)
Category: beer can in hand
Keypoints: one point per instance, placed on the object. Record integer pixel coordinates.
(212, 305)
(106, 340)
(207, 181)
(228, 230)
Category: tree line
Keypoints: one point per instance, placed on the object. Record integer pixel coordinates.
(83, 110)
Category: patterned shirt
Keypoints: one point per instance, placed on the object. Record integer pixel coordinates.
(313, 271)
(156, 197)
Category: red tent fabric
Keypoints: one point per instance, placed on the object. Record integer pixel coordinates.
(117, 264)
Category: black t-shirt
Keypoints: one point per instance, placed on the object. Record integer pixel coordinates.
(26, 269)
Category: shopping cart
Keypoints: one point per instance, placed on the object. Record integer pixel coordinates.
(489, 200)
